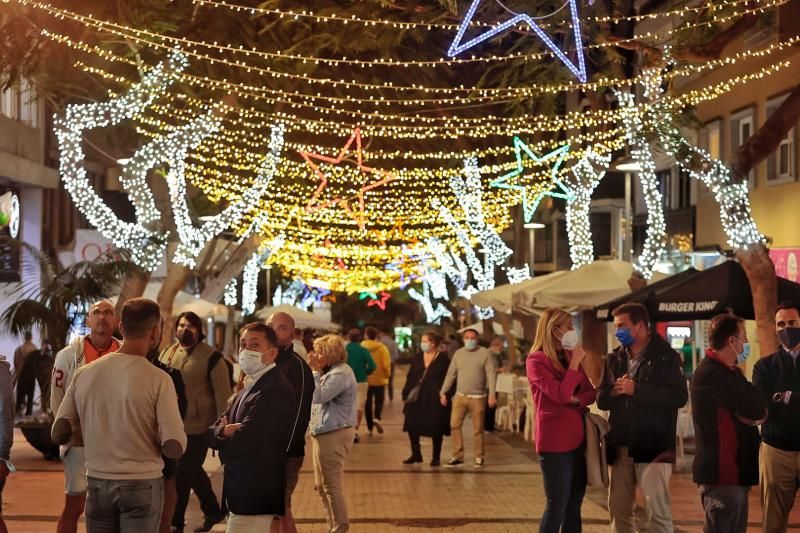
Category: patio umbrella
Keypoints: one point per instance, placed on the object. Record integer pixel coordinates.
(500, 298)
(302, 319)
(583, 288)
(700, 295)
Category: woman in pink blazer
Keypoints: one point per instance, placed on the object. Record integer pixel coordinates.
(561, 392)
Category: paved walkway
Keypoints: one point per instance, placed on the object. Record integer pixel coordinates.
(385, 495)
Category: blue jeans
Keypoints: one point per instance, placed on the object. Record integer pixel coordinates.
(124, 505)
(564, 475)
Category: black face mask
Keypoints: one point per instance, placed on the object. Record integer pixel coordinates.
(789, 337)
(187, 338)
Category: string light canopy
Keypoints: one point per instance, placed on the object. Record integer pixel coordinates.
(415, 130)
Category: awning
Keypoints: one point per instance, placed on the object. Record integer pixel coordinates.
(700, 295)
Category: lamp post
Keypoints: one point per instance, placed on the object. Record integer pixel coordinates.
(629, 167)
(532, 227)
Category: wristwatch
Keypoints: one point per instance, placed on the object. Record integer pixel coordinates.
(777, 397)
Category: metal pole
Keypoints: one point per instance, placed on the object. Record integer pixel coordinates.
(532, 249)
(269, 285)
(628, 232)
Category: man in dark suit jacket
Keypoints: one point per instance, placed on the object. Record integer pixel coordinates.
(254, 433)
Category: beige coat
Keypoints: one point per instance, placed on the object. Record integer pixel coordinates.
(206, 393)
(597, 428)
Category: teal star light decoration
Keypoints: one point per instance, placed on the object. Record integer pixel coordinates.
(529, 194)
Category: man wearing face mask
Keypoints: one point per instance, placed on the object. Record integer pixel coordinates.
(254, 433)
(123, 410)
(472, 369)
(643, 387)
(727, 409)
(777, 377)
(208, 387)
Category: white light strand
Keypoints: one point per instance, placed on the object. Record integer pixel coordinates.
(230, 298)
(250, 274)
(656, 238)
(518, 275)
(583, 180)
(431, 291)
(192, 239)
(145, 242)
(732, 197)
(469, 193)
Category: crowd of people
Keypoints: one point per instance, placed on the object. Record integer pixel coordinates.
(135, 423)
(642, 388)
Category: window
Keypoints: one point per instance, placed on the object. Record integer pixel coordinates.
(714, 139)
(29, 105)
(8, 102)
(781, 163)
(664, 178)
(742, 125)
(20, 102)
(684, 194)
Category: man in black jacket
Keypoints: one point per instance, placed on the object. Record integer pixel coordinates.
(777, 377)
(254, 433)
(727, 409)
(298, 374)
(643, 386)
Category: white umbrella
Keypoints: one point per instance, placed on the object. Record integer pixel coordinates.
(500, 298)
(584, 288)
(516, 328)
(302, 319)
(186, 302)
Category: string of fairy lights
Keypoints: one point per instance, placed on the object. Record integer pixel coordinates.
(363, 226)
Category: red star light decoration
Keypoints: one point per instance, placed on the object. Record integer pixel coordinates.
(380, 302)
(314, 204)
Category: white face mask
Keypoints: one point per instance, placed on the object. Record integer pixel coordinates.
(570, 340)
(425, 346)
(250, 362)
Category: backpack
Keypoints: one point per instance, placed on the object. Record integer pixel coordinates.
(212, 362)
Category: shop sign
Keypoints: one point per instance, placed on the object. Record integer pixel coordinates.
(687, 307)
(786, 263)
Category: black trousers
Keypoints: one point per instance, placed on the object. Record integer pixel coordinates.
(375, 395)
(416, 450)
(192, 477)
(391, 383)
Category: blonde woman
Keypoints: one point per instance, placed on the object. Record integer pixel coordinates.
(561, 392)
(333, 421)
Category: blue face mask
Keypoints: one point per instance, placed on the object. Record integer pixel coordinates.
(742, 356)
(624, 336)
(470, 344)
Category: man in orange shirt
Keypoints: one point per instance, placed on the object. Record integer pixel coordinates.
(102, 322)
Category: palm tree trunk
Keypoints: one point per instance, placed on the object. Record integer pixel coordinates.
(133, 286)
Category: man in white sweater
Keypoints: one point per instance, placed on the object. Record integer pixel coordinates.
(102, 321)
(122, 409)
(473, 370)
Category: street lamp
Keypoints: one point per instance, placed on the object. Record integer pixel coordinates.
(532, 227)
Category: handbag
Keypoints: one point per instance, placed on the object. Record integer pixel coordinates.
(413, 394)
(597, 429)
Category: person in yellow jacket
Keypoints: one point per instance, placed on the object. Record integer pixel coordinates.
(377, 381)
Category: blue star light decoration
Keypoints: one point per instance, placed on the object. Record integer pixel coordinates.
(578, 67)
(512, 180)
(400, 266)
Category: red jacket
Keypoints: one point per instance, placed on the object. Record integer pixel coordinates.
(559, 424)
